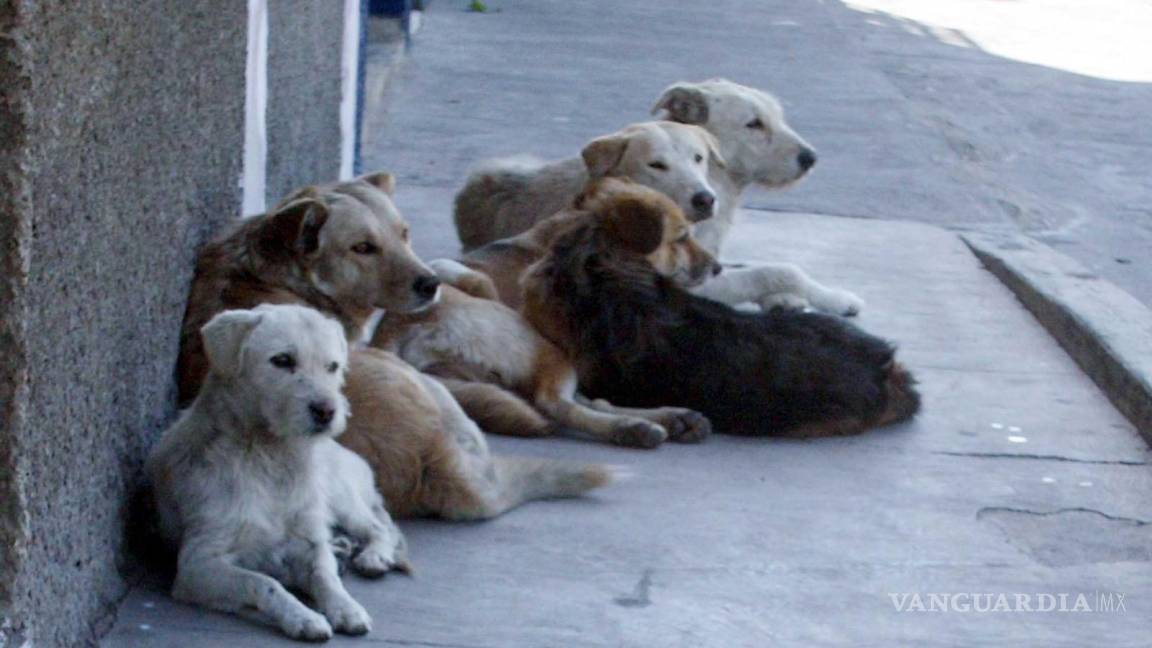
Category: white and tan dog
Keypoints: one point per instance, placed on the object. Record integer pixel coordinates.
(756, 146)
(249, 481)
(505, 197)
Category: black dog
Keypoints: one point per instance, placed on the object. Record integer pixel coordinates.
(639, 339)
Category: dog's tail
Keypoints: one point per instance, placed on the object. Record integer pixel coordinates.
(902, 399)
(487, 188)
(523, 479)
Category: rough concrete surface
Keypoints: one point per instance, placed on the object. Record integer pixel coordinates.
(303, 119)
(122, 135)
(121, 188)
(754, 542)
(1103, 328)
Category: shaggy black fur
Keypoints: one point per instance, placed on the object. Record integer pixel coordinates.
(640, 340)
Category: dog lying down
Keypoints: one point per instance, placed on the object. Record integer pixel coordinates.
(343, 249)
(512, 381)
(718, 139)
(249, 481)
(612, 294)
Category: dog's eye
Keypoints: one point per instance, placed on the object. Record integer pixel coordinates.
(283, 361)
(659, 166)
(699, 158)
(405, 234)
(683, 238)
(365, 247)
(756, 123)
(333, 367)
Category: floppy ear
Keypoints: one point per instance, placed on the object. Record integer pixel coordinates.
(382, 180)
(224, 337)
(684, 104)
(635, 224)
(293, 229)
(602, 154)
(713, 145)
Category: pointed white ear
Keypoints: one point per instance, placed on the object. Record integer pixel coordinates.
(684, 103)
(224, 337)
(714, 149)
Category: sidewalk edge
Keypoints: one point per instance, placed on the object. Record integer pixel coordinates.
(1104, 329)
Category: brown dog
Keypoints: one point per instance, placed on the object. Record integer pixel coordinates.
(343, 249)
(503, 262)
(611, 292)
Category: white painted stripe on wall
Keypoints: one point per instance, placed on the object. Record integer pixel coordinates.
(254, 180)
(349, 78)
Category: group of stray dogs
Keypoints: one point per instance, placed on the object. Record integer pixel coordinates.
(588, 299)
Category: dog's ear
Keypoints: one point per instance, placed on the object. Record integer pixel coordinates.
(602, 154)
(713, 145)
(382, 180)
(636, 224)
(684, 103)
(224, 337)
(293, 229)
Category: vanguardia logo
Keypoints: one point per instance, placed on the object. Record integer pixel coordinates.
(988, 602)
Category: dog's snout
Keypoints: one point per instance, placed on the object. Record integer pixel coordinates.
(806, 159)
(703, 200)
(322, 412)
(716, 268)
(426, 286)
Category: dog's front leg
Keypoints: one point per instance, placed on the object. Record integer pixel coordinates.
(323, 584)
(779, 285)
(216, 582)
(683, 425)
(465, 279)
(555, 395)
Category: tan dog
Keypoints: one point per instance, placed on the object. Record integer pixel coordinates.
(342, 249)
(477, 342)
(506, 197)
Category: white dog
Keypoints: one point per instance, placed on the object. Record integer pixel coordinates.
(749, 142)
(759, 147)
(249, 481)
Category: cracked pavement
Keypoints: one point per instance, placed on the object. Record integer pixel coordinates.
(1019, 477)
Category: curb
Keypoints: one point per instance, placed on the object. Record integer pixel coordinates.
(1104, 329)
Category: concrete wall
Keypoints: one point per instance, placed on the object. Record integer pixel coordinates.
(121, 136)
(303, 93)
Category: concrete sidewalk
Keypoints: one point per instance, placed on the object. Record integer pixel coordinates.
(1020, 477)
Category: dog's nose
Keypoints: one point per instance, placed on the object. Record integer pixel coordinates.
(322, 412)
(716, 268)
(425, 286)
(703, 200)
(806, 159)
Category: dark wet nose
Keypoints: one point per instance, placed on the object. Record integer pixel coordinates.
(806, 159)
(425, 286)
(716, 268)
(322, 413)
(703, 200)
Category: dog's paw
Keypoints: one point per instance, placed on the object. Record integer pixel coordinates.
(839, 302)
(349, 617)
(638, 433)
(686, 426)
(307, 626)
(786, 301)
(379, 558)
